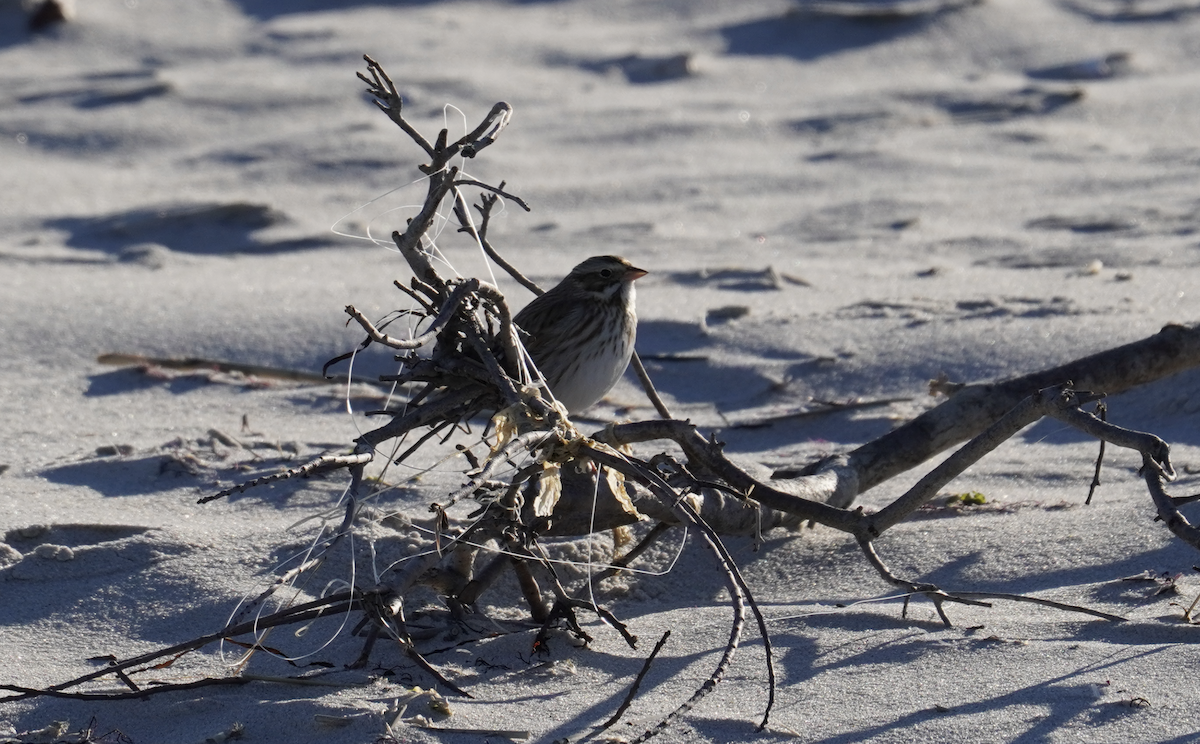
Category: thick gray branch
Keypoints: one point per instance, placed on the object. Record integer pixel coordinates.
(976, 407)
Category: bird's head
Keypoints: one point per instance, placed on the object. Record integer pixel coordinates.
(605, 275)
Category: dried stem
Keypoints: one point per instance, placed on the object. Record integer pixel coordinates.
(637, 683)
(648, 385)
(1101, 411)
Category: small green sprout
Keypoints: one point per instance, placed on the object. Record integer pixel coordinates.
(970, 498)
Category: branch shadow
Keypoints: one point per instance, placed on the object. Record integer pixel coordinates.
(123, 476)
(101, 90)
(686, 364)
(198, 228)
(265, 10)
(1066, 697)
(1117, 11)
(830, 28)
(132, 380)
(1069, 696)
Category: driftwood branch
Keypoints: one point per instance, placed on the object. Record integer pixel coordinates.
(1049, 402)
(975, 407)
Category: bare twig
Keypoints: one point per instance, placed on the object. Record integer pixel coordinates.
(323, 464)
(498, 190)
(1156, 475)
(936, 595)
(449, 309)
(648, 386)
(1101, 411)
(1038, 601)
(615, 568)
(33, 692)
(637, 684)
(829, 407)
(486, 133)
(387, 611)
(195, 363)
(387, 98)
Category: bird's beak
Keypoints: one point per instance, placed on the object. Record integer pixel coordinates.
(634, 272)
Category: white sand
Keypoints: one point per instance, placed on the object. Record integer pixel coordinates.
(171, 175)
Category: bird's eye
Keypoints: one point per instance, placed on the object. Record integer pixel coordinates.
(606, 273)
